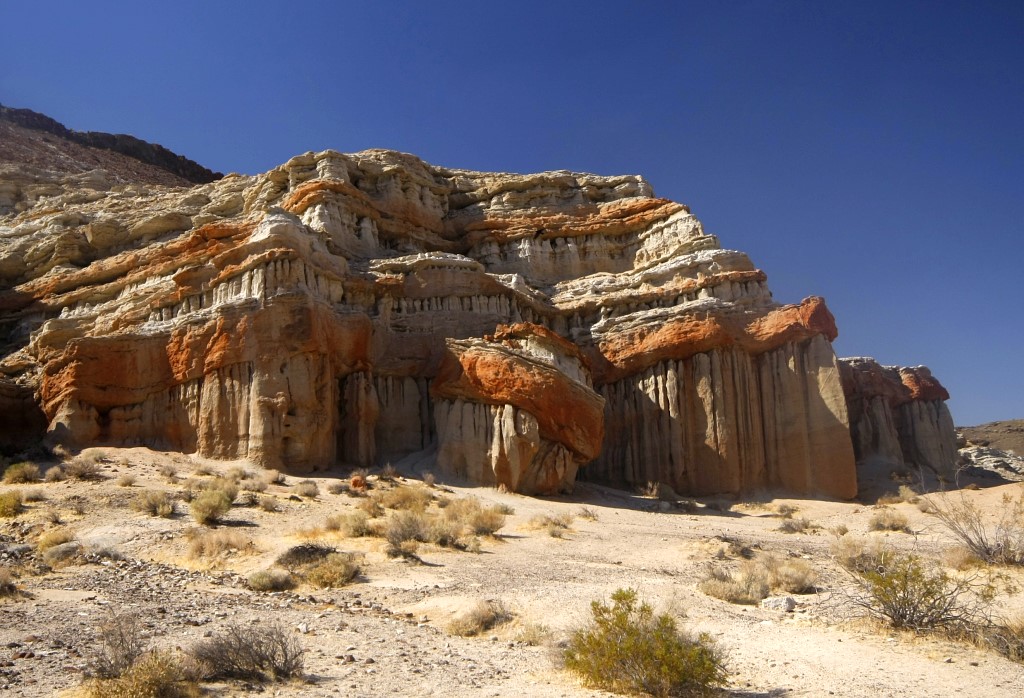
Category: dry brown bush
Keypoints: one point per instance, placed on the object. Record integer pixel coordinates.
(791, 575)
(886, 519)
(748, 584)
(11, 503)
(21, 473)
(306, 488)
(154, 503)
(1001, 542)
(54, 537)
(410, 497)
(299, 556)
(209, 507)
(336, 570)
(8, 588)
(272, 579)
(353, 524)
(555, 525)
(480, 617)
(158, 674)
(796, 525)
(126, 480)
(55, 474)
(250, 652)
(83, 468)
(209, 544)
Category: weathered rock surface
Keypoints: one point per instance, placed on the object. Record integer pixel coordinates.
(898, 416)
(362, 308)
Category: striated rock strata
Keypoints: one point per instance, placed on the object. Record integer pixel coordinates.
(898, 416)
(516, 329)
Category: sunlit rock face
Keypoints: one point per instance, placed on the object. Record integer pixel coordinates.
(516, 330)
(898, 416)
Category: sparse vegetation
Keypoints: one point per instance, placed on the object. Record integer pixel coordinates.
(209, 507)
(304, 555)
(209, 544)
(21, 473)
(55, 474)
(479, 618)
(353, 524)
(998, 543)
(886, 519)
(120, 644)
(8, 588)
(746, 585)
(336, 570)
(11, 503)
(155, 503)
(250, 652)
(34, 494)
(628, 649)
(555, 525)
(83, 468)
(272, 579)
(63, 554)
(796, 525)
(269, 503)
(54, 537)
(126, 480)
(306, 488)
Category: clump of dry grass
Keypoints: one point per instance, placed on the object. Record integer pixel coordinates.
(273, 477)
(8, 588)
(306, 488)
(797, 525)
(855, 553)
(53, 538)
(785, 511)
(55, 474)
(479, 618)
(169, 473)
(476, 518)
(886, 519)
(791, 575)
(209, 507)
(748, 584)
(410, 497)
(253, 485)
(210, 544)
(11, 503)
(555, 525)
(336, 570)
(587, 514)
(34, 494)
(269, 503)
(158, 674)
(126, 480)
(353, 524)
(272, 579)
(155, 503)
(83, 468)
(998, 542)
(21, 473)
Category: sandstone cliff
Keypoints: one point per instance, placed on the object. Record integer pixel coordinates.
(515, 329)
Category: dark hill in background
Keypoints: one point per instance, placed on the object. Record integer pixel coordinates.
(1006, 435)
(30, 138)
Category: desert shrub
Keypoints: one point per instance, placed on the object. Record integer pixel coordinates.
(358, 482)
(154, 503)
(269, 503)
(1006, 638)
(306, 488)
(353, 524)
(533, 634)
(169, 472)
(587, 514)
(237, 473)
(7, 586)
(371, 506)
(904, 592)
(56, 536)
(1001, 543)
(11, 503)
(251, 652)
(55, 474)
(126, 480)
(481, 617)
(83, 468)
(476, 518)
(429, 479)
(858, 554)
(791, 575)
(405, 497)
(338, 488)
(229, 488)
(207, 544)
(388, 473)
(303, 555)
(202, 470)
(886, 519)
(628, 649)
(273, 477)
(252, 485)
(785, 511)
(405, 525)
(925, 505)
(444, 531)
(63, 554)
(34, 494)
(21, 473)
(839, 530)
(746, 585)
(155, 675)
(336, 570)
(120, 644)
(796, 525)
(556, 526)
(210, 506)
(271, 580)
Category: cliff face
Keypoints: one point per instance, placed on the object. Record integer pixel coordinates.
(898, 416)
(515, 329)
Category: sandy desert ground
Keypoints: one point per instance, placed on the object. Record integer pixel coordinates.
(385, 634)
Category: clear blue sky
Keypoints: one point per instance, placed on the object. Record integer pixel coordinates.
(868, 152)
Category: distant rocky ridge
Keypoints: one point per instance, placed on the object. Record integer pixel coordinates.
(151, 154)
(516, 330)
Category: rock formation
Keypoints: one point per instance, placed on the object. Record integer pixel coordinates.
(517, 330)
(898, 416)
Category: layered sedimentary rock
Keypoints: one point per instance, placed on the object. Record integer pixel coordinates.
(517, 329)
(898, 415)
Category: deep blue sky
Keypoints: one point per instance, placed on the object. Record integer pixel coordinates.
(868, 152)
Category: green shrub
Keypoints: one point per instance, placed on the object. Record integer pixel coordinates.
(210, 506)
(21, 473)
(906, 593)
(627, 649)
(11, 503)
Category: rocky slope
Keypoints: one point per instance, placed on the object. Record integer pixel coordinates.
(514, 329)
